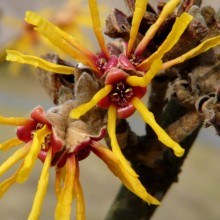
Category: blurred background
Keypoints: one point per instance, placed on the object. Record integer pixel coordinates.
(195, 196)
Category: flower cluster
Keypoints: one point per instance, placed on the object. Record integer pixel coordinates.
(60, 142)
(124, 73)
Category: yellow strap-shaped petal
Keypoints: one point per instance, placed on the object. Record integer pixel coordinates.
(140, 9)
(161, 134)
(6, 184)
(146, 79)
(41, 188)
(77, 112)
(14, 158)
(178, 28)
(114, 143)
(63, 208)
(62, 40)
(10, 143)
(201, 48)
(38, 62)
(97, 26)
(167, 9)
(119, 169)
(58, 183)
(13, 121)
(31, 157)
(80, 204)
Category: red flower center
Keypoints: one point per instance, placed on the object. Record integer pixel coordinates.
(121, 94)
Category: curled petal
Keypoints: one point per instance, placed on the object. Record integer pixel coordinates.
(63, 208)
(125, 112)
(146, 79)
(77, 112)
(115, 75)
(161, 134)
(201, 48)
(31, 157)
(10, 143)
(38, 62)
(38, 114)
(18, 155)
(167, 9)
(112, 62)
(24, 133)
(125, 62)
(97, 26)
(140, 9)
(119, 169)
(178, 28)
(41, 188)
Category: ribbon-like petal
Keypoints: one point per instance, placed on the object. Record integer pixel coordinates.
(14, 158)
(17, 121)
(10, 144)
(62, 40)
(119, 169)
(63, 208)
(146, 79)
(31, 157)
(77, 112)
(201, 48)
(178, 28)
(41, 188)
(167, 9)
(161, 134)
(140, 9)
(97, 26)
(38, 62)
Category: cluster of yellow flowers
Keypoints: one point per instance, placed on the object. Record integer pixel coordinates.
(120, 94)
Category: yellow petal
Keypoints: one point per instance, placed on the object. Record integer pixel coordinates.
(140, 9)
(146, 79)
(167, 9)
(18, 155)
(13, 121)
(41, 188)
(161, 134)
(77, 112)
(63, 208)
(114, 143)
(6, 184)
(119, 169)
(58, 183)
(10, 143)
(62, 40)
(201, 48)
(38, 62)
(80, 204)
(178, 28)
(31, 157)
(97, 26)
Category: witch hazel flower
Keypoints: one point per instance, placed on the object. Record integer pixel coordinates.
(61, 142)
(124, 72)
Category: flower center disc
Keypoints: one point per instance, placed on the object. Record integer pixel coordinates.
(121, 94)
